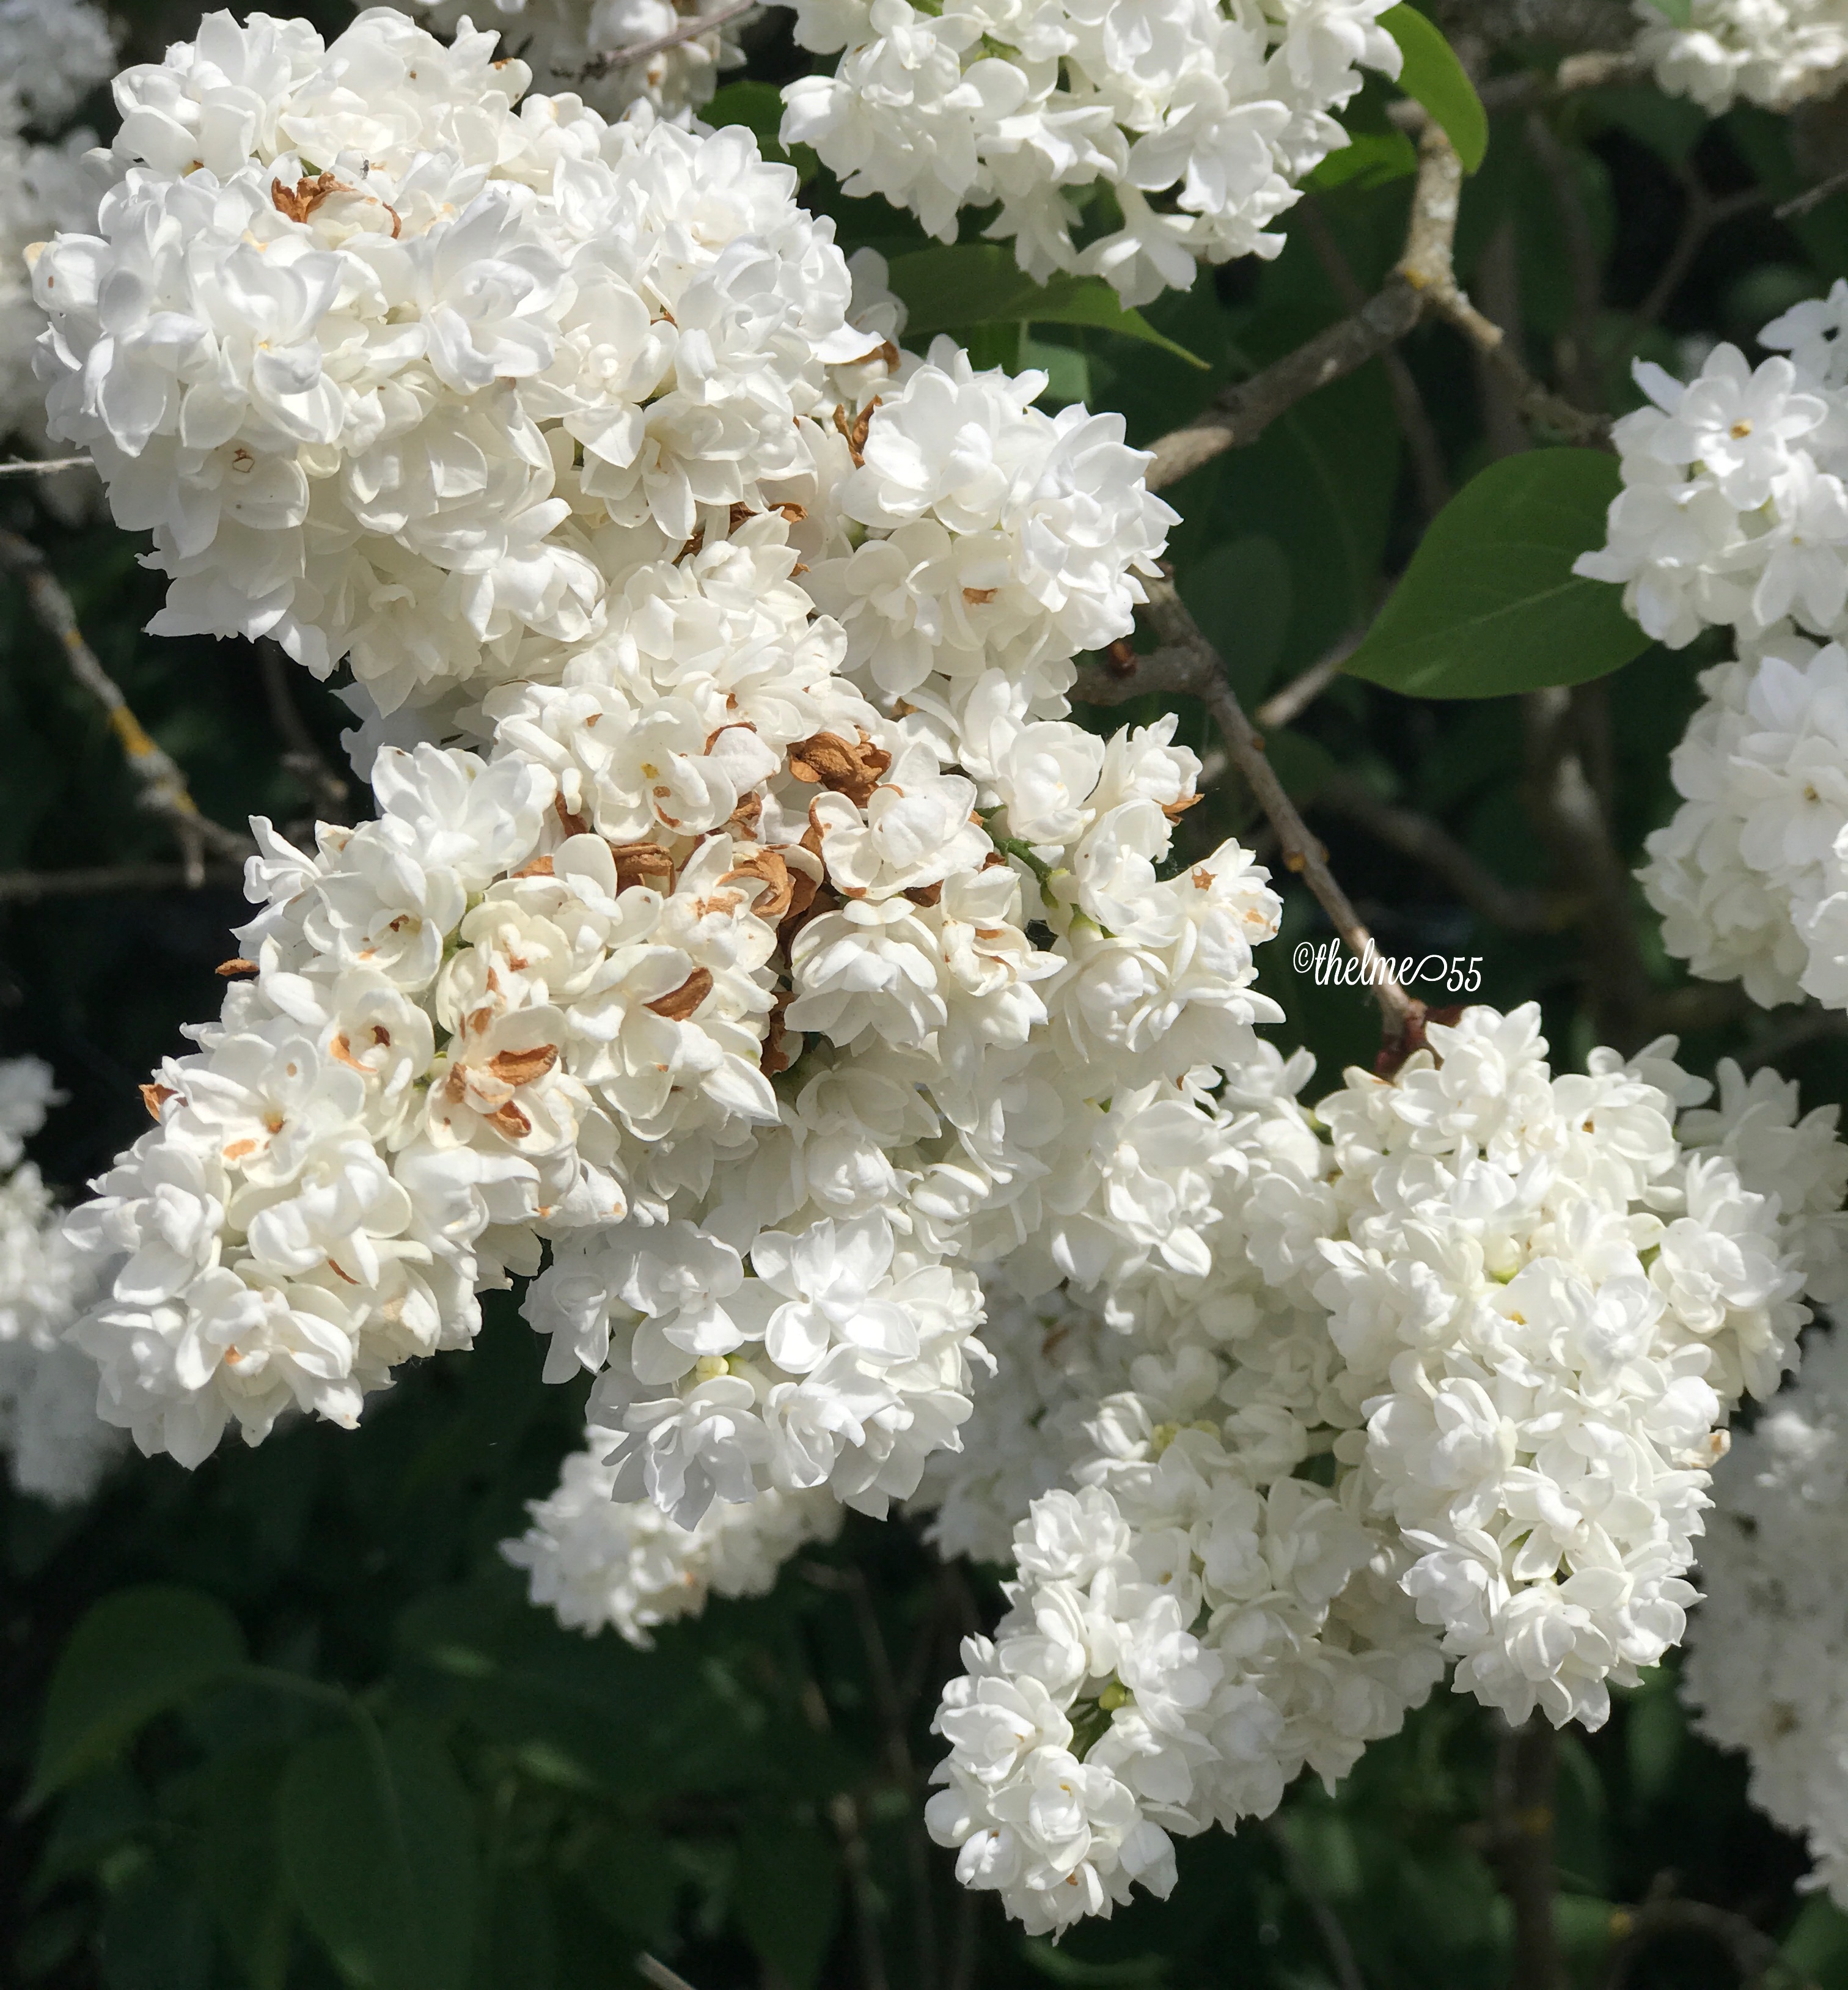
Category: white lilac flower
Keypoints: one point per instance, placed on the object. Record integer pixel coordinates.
(595, 1561)
(1764, 1672)
(57, 1447)
(1130, 143)
(1772, 53)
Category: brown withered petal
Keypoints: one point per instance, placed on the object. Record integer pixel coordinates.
(677, 1008)
(235, 970)
(846, 766)
(1175, 810)
(979, 597)
(776, 1057)
(522, 1067)
(540, 866)
(792, 514)
(642, 863)
(511, 1121)
(154, 1097)
(743, 820)
(925, 895)
(299, 201)
(692, 545)
(822, 898)
(572, 825)
(767, 868)
(739, 513)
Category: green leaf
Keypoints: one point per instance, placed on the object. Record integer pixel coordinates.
(157, 1934)
(378, 1847)
(1816, 1947)
(1677, 13)
(758, 107)
(961, 285)
(138, 1653)
(1490, 603)
(235, 1856)
(1434, 77)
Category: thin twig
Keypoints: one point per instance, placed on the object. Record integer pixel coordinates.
(1812, 197)
(659, 1974)
(27, 887)
(1525, 1763)
(1701, 216)
(637, 52)
(1186, 662)
(1592, 69)
(1328, 1922)
(36, 466)
(1300, 693)
(327, 790)
(1423, 286)
(1750, 1950)
(889, 1702)
(1428, 470)
(163, 787)
(1428, 843)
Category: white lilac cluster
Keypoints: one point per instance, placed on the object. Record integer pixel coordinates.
(1210, 1602)
(596, 1561)
(401, 369)
(1750, 873)
(571, 42)
(1765, 1670)
(784, 955)
(52, 54)
(1126, 142)
(1449, 1387)
(1549, 1292)
(1775, 54)
(57, 1449)
(1733, 511)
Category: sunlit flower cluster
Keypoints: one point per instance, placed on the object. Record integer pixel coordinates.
(1126, 143)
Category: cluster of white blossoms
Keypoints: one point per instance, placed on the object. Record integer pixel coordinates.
(1764, 1671)
(1129, 143)
(1550, 1292)
(1750, 874)
(1734, 510)
(597, 1561)
(1734, 514)
(784, 955)
(400, 369)
(1449, 1389)
(57, 1448)
(570, 43)
(52, 54)
(1772, 53)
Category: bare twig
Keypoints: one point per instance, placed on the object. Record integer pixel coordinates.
(1186, 662)
(1591, 69)
(1525, 1767)
(1560, 790)
(1428, 470)
(689, 30)
(1423, 286)
(889, 1704)
(659, 1975)
(1700, 217)
(1811, 197)
(1576, 351)
(1300, 693)
(327, 790)
(36, 466)
(1428, 843)
(1328, 1922)
(1750, 1950)
(27, 887)
(164, 790)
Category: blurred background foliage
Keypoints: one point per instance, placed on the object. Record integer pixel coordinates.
(310, 1734)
